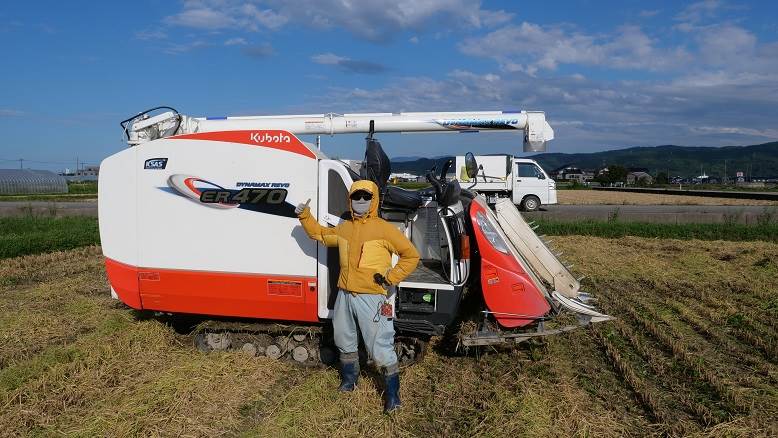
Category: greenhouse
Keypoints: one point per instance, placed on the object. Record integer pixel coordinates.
(28, 181)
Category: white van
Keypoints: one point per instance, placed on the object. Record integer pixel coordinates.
(505, 176)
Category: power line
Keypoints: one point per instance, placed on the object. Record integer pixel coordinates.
(46, 162)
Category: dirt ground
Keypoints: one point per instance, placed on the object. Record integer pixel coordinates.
(693, 352)
(589, 197)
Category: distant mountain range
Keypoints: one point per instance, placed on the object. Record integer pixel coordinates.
(686, 161)
(404, 159)
(419, 166)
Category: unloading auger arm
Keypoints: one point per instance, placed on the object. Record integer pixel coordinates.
(146, 127)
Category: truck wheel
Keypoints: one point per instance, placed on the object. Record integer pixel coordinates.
(530, 203)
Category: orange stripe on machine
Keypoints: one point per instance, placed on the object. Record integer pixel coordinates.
(269, 138)
(264, 296)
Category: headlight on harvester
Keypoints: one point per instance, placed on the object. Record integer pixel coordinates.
(491, 234)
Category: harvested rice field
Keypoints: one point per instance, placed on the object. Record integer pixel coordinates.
(694, 352)
(598, 197)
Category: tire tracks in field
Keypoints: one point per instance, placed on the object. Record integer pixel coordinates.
(735, 351)
(745, 330)
(663, 359)
(742, 389)
(739, 299)
(657, 404)
(662, 367)
(717, 364)
(695, 364)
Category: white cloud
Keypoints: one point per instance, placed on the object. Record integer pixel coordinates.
(699, 11)
(349, 65)
(589, 114)
(375, 20)
(413, 40)
(648, 13)
(150, 34)
(226, 14)
(715, 85)
(727, 44)
(327, 58)
(489, 18)
(235, 42)
(7, 112)
(727, 54)
(767, 133)
(258, 50)
(10, 26)
(179, 48)
(531, 47)
(201, 17)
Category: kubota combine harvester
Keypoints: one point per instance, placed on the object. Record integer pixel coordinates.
(197, 217)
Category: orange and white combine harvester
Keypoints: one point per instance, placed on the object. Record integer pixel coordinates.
(197, 217)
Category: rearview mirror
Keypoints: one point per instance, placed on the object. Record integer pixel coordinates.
(471, 166)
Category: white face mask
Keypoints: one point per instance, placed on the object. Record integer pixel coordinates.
(360, 207)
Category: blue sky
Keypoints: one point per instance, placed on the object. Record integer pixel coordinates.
(609, 74)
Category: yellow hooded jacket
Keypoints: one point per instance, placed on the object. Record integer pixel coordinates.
(365, 245)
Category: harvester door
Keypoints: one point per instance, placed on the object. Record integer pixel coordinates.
(334, 183)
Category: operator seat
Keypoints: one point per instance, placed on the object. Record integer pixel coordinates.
(377, 167)
(402, 199)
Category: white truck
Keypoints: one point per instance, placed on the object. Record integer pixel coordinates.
(504, 176)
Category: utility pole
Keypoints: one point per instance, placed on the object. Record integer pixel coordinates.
(724, 180)
(21, 163)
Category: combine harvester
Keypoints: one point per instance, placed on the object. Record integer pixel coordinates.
(197, 217)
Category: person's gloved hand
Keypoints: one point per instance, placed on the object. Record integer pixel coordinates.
(380, 280)
(301, 207)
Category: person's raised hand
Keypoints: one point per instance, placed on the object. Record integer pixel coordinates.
(301, 207)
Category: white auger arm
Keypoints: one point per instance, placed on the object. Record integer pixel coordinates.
(145, 127)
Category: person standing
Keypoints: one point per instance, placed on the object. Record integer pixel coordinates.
(365, 245)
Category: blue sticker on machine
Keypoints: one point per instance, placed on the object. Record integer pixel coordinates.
(155, 163)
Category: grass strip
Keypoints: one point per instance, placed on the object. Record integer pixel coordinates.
(35, 235)
(77, 191)
(56, 197)
(82, 187)
(616, 229)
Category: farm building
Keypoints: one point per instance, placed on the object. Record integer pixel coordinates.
(639, 178)
(27, 181)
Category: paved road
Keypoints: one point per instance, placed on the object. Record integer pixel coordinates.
(770, 196)
(745, 214)
(633, 213)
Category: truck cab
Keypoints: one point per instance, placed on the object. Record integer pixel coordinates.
(522, 180)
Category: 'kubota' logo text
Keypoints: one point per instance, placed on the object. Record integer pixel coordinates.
(264, 137)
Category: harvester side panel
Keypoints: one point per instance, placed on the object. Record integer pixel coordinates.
(511, 291)
(117, 213)
(244, 256)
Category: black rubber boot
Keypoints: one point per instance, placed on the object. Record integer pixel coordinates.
(349, 374)
(392, 393)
